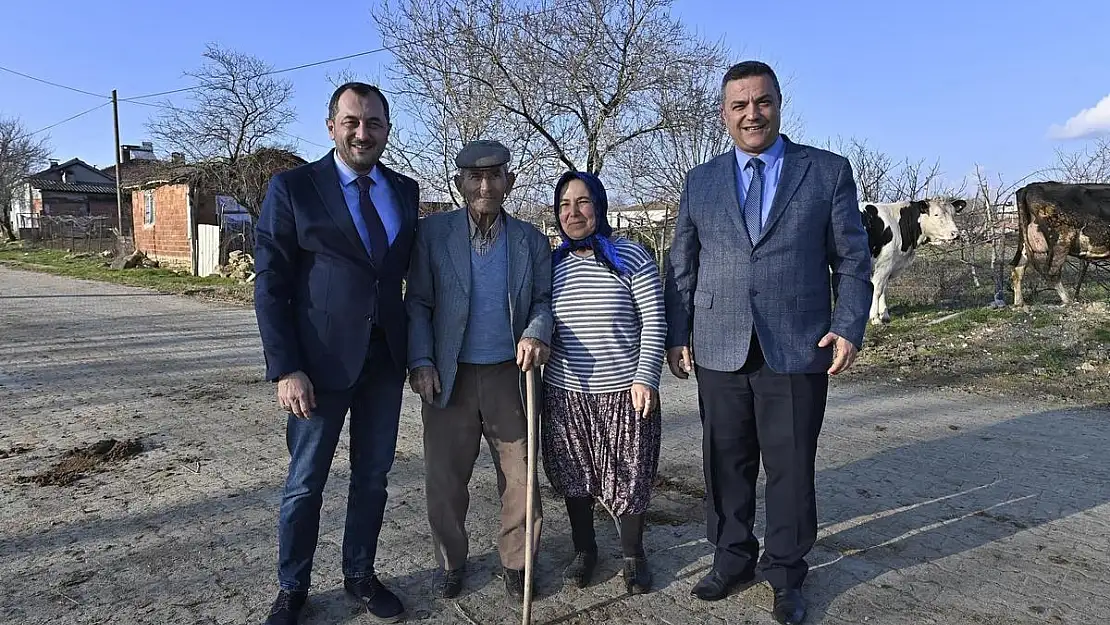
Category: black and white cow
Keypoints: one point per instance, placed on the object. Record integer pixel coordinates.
(894, 232)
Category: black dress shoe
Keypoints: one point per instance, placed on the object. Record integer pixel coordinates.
(716, 585)
(637, 575)
(450, 584)
(286, 609)
(514, 583)
(581, 568)
(790, 606)
(383, 605)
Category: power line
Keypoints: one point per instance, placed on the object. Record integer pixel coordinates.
(68, 119)
(175, 108)
(53, 84)
(430, 38)
(270, 73)
(302, 139)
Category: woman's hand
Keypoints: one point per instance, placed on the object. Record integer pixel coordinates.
(643, 399)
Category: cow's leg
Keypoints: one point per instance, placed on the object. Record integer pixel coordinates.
(875, 297)
(1017, 274)
(1056, 266)
(878, 297)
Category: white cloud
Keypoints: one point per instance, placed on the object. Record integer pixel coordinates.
(1086, 123)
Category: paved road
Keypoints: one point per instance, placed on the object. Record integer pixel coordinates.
(934, 507)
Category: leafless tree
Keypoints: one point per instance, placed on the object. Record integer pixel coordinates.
(1091, 164)
(238, 108)
(20, 153)
(881, 178)
(874, 169)
(562, 97)
(989, 217)
(652, 173)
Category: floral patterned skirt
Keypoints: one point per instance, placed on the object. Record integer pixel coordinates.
(596, 445)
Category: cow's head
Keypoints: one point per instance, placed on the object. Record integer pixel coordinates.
(938, 218)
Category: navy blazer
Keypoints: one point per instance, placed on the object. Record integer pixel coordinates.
(807, 274)
(317, 291)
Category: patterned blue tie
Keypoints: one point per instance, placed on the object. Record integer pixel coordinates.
(753, 201)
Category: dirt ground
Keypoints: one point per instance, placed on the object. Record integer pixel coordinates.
(936, 506)
(1046, 351)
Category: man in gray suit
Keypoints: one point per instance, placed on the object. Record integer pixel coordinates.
(479, 304)
(748, 280)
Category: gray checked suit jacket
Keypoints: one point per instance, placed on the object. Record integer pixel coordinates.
(437, 296)
(719, 287)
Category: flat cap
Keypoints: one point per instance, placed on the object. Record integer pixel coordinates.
(481, 154)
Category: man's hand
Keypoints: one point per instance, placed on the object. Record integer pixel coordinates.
(295, 394)
(844, 353)
(681, 362)
(643, 399)
(424, 381)
(531, 353)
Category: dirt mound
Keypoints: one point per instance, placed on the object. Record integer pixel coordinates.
(76, 462)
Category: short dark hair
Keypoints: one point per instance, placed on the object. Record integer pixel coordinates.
(360, 88)
(747, 69)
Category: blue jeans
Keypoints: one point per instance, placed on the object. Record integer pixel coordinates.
(375, 405)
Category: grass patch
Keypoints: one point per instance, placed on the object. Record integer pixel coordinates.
(1101, 335)
(62, 263)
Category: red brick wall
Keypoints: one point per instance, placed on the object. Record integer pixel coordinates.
(167, 239)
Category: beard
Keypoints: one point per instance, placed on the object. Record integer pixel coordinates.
(360, 156)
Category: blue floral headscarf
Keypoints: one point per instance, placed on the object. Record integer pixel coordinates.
(599, 241)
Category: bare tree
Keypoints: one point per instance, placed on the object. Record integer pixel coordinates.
(564, 98)
(237, 109)
(874, 170)
(653, 171)
(1092, 164)
(880, 178)
(990, 216)
(20, 153)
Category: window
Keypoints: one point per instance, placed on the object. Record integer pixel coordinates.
(148, 200)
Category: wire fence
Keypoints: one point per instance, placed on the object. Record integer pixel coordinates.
(976, 269)
(66, 232)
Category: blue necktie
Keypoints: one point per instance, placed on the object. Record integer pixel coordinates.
(753, 201)
(379, 240)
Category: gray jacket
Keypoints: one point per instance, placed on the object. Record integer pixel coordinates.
(437, 296)
(813, 248)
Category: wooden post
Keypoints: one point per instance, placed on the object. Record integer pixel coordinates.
(530, 521)
(119, 191)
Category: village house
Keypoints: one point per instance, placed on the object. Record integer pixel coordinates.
(70, 189)
(172, 204)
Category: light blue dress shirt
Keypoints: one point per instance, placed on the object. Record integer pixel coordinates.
(380, 193)
(772, 171)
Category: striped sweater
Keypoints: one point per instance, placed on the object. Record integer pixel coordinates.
(609, 329)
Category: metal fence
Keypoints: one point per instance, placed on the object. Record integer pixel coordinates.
(235, 234)
(976, 271)
(77, 234)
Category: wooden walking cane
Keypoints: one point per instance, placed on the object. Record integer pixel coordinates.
(530, 521)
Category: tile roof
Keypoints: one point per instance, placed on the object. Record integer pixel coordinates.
(72, 187)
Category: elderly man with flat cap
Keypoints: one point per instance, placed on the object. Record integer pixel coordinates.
(479, 305)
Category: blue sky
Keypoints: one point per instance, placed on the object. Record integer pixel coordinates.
(980, 81)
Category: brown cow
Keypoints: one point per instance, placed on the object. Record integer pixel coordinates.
(1057, 220)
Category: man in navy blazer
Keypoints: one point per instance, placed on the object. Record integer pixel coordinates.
(768, 289)
(333, 245)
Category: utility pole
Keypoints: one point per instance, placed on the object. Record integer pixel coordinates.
(119, 191)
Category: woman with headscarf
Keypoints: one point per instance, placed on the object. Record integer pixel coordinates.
(601, 405)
